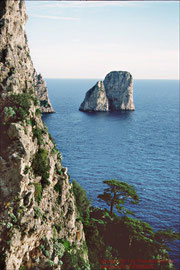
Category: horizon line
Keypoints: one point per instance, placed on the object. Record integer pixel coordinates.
(174, 79)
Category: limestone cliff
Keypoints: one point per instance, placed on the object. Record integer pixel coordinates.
(38, 216)
(42, 94)
(115, 93)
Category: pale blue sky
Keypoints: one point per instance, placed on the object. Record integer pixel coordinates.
(80, 39)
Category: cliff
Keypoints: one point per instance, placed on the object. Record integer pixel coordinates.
(42, 94)
(39, 221)
(115, 93)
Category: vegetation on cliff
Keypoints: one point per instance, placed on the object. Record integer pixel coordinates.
(119, 240)
(117, 194)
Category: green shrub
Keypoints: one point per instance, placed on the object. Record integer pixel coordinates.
(20, 103)
(95, 243)
(37, 212)
(31, 91)
(45, 127)
(23, 267)
(54, 231)
(46, 253)
(38, 192)
(82, 201)
(74, 261)
(44, 103)
(26, 169)
(54, 151)
(38, 111)
(40, 166)
(59, 172)
(28, 122)
(50, 262)
(33, 122)
(9, 112)
(25, 130)
(58, 188)
(66, 244)
(37, 133)
(22, 114)
(59, 156)
(58, 248)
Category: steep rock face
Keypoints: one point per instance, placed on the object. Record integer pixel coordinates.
(96, 99)
(38, 214)
(118, 94)
(42, 94)
(119, 90)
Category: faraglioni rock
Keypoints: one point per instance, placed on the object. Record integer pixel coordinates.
(96, 99)
(38, 210)
(115, 93)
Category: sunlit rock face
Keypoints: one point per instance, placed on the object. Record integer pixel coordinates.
(37, 204)
(115, 93)
(42, 94)
(96, 99)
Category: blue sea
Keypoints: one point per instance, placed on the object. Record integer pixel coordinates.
(139, 147)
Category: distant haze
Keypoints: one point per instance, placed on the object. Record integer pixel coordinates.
(81, 39)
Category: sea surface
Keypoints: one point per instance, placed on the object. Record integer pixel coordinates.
(139, 147)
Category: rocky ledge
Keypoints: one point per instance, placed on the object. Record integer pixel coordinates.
(115, 93)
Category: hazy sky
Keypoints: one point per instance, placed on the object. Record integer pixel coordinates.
(77, 39)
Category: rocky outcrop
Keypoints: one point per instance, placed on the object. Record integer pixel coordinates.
(39, 221)
(96, 99)
(115, 93)
(42, 94)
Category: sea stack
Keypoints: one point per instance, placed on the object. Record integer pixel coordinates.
(115, 93)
